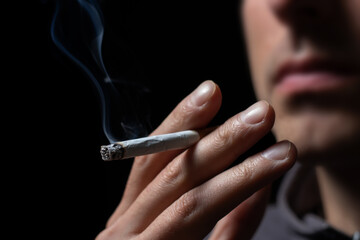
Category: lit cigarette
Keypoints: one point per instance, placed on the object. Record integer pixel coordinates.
(148, 145)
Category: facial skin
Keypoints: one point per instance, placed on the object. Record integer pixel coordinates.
(305, 60)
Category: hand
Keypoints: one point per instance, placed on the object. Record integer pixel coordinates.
(184, 194)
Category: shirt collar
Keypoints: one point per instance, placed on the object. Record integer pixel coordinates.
(299, 202)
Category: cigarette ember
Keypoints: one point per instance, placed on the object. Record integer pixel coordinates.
(148, 145)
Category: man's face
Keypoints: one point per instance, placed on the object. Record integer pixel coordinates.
(305, 60)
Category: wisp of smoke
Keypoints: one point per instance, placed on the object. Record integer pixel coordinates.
(77, 30)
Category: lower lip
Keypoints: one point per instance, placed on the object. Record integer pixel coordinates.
(312, 82)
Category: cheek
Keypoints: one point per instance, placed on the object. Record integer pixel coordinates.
(354, 8)
(264, 34)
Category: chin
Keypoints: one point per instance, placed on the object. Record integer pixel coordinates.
(322, 138)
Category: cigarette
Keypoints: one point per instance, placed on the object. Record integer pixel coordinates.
(149, 145)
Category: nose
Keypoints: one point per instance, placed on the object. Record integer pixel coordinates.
(303, 11)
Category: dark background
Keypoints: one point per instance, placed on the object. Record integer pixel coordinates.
(65, 189)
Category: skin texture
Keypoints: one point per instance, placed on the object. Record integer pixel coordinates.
(282, 31)
(183, 194)
(319, 42)
(304, 58)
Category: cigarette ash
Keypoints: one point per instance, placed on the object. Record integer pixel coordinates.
(112, 152)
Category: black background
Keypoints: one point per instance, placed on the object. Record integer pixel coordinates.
(63, 189)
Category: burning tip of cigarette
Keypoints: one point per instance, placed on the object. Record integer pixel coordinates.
(112, 152)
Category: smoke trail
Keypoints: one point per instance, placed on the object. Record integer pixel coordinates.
(77, 30)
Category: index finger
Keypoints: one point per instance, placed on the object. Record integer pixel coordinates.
(194, 112)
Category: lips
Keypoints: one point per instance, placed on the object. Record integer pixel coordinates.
(311, 74)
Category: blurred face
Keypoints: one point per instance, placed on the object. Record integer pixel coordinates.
(305, 60)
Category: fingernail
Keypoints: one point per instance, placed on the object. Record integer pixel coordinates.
(279, 151)
(256, 113)
(203, 93)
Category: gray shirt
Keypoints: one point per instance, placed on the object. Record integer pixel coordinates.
(297, 212)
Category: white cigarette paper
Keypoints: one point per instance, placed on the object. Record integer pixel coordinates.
(148, 145)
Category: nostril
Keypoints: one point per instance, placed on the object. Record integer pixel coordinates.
(279, 6)
(282, 8)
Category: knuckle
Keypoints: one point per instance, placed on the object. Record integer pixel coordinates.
(245, 170)
(230, 131)
(181, 114)
(172, 174)
(185, 206)
(223, 136)
(177, 119)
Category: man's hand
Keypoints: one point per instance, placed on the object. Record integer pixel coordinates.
(184, 194)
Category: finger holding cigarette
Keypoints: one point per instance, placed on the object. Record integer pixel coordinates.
(194, 112)
(194, 190)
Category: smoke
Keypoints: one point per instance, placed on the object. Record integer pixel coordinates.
(77, 30)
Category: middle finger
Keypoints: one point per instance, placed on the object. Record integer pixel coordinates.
(212, 155)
